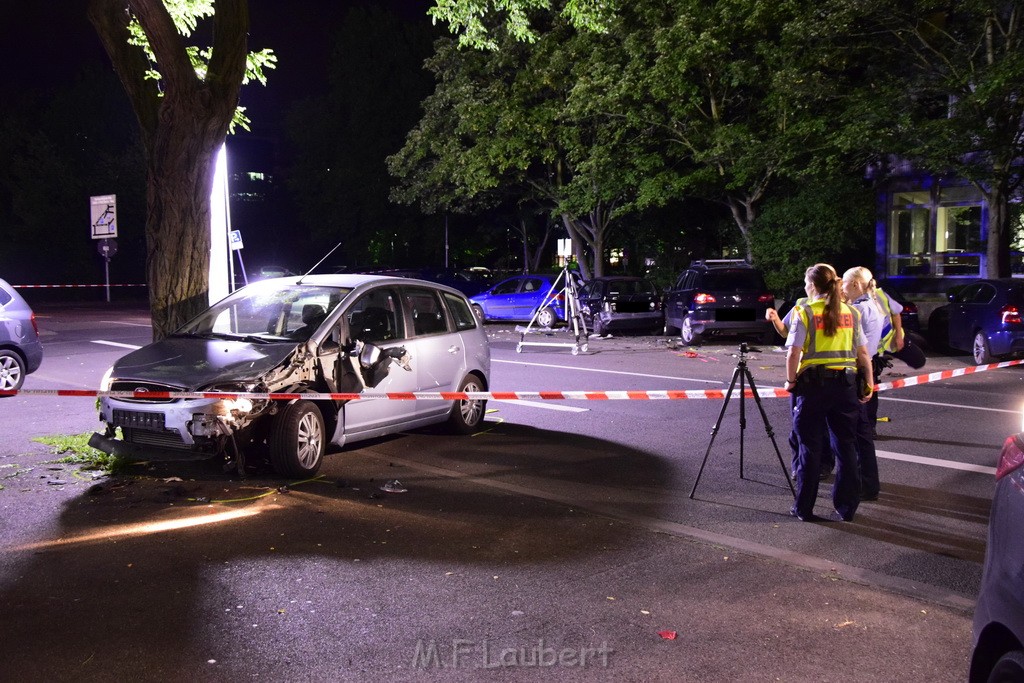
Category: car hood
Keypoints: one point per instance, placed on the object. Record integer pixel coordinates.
(196, 363)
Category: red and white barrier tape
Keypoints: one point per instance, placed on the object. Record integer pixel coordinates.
(68, 286)
(658, 395)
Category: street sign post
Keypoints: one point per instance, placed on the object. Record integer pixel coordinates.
(103, 216)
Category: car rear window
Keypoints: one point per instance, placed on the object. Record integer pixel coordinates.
(630, 287)
(734, 280)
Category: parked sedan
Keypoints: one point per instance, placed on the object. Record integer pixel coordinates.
(21, 352)
(983, 317)
(310, 334)
(520, 298)
(999, 612)
(621, 303)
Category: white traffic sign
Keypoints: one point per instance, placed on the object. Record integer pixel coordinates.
(235, 240)
(103, 216)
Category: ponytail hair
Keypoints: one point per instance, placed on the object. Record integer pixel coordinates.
(826, 283)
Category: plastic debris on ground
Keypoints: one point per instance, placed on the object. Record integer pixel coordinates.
(393, 486)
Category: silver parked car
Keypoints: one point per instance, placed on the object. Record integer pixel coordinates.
(21, 352)
(310, 334)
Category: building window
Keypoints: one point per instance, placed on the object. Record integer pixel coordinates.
(935, 232)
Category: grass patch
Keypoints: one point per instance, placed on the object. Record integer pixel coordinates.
(76, 451)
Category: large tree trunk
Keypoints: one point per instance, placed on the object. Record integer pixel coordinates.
(997, 247)
(181, 131)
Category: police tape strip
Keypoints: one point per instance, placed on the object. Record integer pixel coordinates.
(944, 374)
(69, 286)
(660, 395)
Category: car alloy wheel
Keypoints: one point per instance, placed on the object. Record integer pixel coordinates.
(687, 334)
(467, 416)
(980, 351)
(12, 371)
(546, 317)
(297, 440)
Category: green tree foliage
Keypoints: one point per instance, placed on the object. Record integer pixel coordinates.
(499, 125)
(949, 96)
(830, 221)
(182, 124)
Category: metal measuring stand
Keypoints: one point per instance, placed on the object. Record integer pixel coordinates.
(573, 316)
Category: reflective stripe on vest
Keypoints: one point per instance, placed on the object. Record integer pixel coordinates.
(820, 350)
(888, 331)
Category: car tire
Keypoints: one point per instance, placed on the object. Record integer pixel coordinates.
(598, 328)
(687, 334)
(546, 317)
(980, 350)
(12, 371)
(297, 440)
(1009, 668)
(478, 311)
(467, 416)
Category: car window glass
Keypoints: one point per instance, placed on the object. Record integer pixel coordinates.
(532, 284)
(967, 294)
(734, 280)
(376, 317)
(427, 313)
(1015, 295)
(506, 287)
(463, 316)
(268, 311)
(985, 294)
(5, 297)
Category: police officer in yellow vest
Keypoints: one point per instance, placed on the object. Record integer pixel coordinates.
(826, 346)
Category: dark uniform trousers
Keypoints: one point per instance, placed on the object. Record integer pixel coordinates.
(826, 401)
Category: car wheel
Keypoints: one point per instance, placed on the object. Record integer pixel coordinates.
(297, 440)
(980, 350)
(598, 328)
(12, 371)
(687, 334)
(467, 416)
(547, 317)
(478, 311)
(1009, 668)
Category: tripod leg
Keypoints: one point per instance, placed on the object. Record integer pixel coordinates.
(768, 430)
(742, 368)
(714, 430)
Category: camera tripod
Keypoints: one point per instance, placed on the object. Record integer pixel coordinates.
(742, 373)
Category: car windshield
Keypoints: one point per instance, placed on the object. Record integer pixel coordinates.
(616, 287)
(265, 313)
(734, 280)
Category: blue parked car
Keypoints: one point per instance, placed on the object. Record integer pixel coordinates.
(518, 298)
(983, 317)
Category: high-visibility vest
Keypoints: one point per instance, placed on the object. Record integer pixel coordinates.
(888, 331)
(835, 352)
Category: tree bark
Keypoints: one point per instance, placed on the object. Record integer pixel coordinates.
(997, 247)
(182, 130)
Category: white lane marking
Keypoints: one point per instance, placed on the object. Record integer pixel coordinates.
(549, 406)
(121, 322)
(948, 405)
(936, 462)
(609, 372)
(117, 344)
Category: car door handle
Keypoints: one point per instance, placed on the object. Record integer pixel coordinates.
(453, 350)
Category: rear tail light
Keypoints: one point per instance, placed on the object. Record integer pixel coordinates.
(703, 298)
(766, 299)
(35, 325)
(1010, 315)
(1012, 456)
(910, 308)
(560, 297)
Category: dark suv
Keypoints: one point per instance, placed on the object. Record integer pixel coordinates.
(719, 297)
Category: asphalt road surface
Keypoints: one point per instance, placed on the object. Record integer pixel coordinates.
(560, 542)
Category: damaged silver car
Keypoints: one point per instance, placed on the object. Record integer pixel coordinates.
(296, 335)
